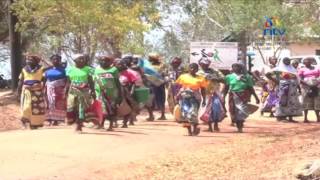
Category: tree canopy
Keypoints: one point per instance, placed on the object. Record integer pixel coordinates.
(92, 26)
(86, 26)
(213, 20)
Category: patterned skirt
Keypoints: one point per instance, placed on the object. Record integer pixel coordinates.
(288, 104)
(269, 101)
(56, 100)
(238, 105)
(33, 106)
(310, 103)
(78, 102)
(189, 105)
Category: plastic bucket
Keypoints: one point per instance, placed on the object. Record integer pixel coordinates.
(141, 95)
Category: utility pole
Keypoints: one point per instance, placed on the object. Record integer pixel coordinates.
(15, 47)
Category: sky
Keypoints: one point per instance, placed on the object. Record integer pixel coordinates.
(5, 66)
(169, 21)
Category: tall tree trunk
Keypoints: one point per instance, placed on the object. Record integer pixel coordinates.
(15, 48)
(243, 47)
(115, 48)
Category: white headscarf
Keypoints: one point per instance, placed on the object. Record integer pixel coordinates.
(204, 60)
(285, 68)
(77, 56)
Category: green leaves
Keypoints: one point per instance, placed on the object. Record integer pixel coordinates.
(85, 25)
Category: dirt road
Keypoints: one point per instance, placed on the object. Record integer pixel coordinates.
(62, 154)
(158, 150)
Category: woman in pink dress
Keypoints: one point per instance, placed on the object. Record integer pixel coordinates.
(309, 80)
(129, 79)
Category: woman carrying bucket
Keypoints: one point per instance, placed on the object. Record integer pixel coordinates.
(132, 93)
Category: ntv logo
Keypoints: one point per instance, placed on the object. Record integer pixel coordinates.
(273, 26)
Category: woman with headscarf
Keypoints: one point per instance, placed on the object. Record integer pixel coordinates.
(31, 90)
(295, 64)
(215, 106)
(107, 87)
(288, 104)
(140, 82)
(269, 97)
(159, 91)
(191, 93)
(309, 80)
(56, 86)
(81, 91)
(128, 81)
(239, 84)
(137, 71)
(173, 74)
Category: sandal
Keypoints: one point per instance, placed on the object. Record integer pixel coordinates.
(196, 132)
(162, 118)
(124, 126)
(150, 119)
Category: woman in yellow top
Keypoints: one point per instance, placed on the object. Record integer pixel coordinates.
(30, 88)
(190, 95)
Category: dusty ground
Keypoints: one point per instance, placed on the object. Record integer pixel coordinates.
(9, 111)
(155, 150)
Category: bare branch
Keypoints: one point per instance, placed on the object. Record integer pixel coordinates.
(214, 21)
(261, 54)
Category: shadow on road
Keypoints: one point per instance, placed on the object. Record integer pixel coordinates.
(128, 132)
(101, 133)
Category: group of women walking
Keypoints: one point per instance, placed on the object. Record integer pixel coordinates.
(285, 84)
(201, 91)
(81, 93)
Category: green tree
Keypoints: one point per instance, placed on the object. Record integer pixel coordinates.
(193, 25)
(211, 20)
(4, 30)
(86, 26)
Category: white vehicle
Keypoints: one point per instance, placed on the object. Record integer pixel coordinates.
(302, 57)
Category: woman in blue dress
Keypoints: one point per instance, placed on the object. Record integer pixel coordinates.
(56, 83)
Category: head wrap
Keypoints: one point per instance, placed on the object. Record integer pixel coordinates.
(310, 58)
(78, 56)
(241, 65)
(105, 58)
(176, 60)
(273, 57)
(55, 56)
(33, 57)
(296, 61)
(238, 64)
(154, 57)
(204, 60)
(137, 56)
(193, 65)
(285, 68)
(129, 55)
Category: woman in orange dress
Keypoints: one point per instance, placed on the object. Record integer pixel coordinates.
(191, 92)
